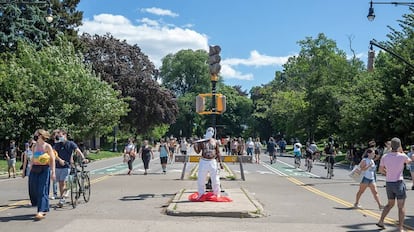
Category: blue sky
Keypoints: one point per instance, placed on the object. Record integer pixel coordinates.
(256, 37)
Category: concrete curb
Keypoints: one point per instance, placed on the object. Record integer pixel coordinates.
(244, 205)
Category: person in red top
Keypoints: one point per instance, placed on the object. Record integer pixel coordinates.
(392, 165)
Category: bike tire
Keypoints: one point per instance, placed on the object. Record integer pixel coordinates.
(309, 166)
(74, 191)
(86, 187)
(329, 174)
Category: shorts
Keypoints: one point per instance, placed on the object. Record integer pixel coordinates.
(11, 162)
(62, 174)
(164, 159)
(396, 190)
(367, 181)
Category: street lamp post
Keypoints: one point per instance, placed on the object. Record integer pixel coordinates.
(371, 13)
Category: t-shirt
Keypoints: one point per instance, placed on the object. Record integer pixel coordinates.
(65, 151)
(394, 165)
(12, 152)
(370, 172)
(250, 144)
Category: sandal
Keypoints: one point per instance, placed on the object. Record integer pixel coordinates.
(39, 216)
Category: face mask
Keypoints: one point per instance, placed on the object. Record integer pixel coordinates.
(35, 138)
(61, 139)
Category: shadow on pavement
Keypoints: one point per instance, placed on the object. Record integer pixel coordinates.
(27, 217)
(146, 196)
(359, 227)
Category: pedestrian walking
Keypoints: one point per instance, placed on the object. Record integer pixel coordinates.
(250, 146)
(164, 151)
(257, 148)
(183, 146)
(11, 154)
(27, 157)
(41, 171)
(65, 150)
(271, 148)
(130, 152)
(392, 165)
(368, 169)
(411, 166)
(146, 154)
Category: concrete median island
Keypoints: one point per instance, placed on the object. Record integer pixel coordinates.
(244, 205)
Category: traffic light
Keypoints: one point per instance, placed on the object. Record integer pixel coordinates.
(220, 103)
(214, 61)
(200, 104)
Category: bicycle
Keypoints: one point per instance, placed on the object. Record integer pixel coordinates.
(309, 164)
(297, 161)
(79, 184)
(329, 171)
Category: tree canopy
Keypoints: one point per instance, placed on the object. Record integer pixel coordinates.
(52, 88)
(129, 70)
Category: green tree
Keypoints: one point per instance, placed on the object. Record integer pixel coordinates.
(27, 21)
(186, 72)
(52, 88)
(394, 116)
(129, 70)
(304, 100)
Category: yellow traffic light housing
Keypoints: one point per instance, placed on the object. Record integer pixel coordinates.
(201, 103)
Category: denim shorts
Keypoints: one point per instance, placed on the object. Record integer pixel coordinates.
(62, 174)
(367, 181)
(396, 190)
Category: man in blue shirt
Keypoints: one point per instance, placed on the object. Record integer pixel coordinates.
(64, 149)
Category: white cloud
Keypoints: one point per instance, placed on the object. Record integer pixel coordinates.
(257, 59)
(155, 40)
(229, 72)
(149, 22)
(159, 11)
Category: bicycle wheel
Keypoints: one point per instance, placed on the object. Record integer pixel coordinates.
(329, 174)
(309, 165)
(86, 187)
(74, 190)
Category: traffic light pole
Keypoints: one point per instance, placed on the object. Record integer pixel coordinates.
(213, 103)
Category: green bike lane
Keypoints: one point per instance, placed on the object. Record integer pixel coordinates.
(283, 168)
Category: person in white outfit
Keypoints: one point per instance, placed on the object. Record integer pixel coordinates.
(210, 153)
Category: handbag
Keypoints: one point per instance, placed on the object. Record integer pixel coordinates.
(356, 173)
(126, 158)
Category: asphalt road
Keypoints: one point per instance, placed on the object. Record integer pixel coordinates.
(292, 199)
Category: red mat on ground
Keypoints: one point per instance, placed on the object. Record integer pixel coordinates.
(209, 196)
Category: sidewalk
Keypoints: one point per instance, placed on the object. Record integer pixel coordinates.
(242, 206)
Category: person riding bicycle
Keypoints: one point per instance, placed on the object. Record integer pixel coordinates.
(297, 151)
(330, 155)
(309, 152)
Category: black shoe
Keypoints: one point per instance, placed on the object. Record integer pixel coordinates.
(412, 188)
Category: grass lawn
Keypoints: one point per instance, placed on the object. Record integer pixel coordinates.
(91, 156)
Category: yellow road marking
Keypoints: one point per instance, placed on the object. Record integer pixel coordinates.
(343, 202)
